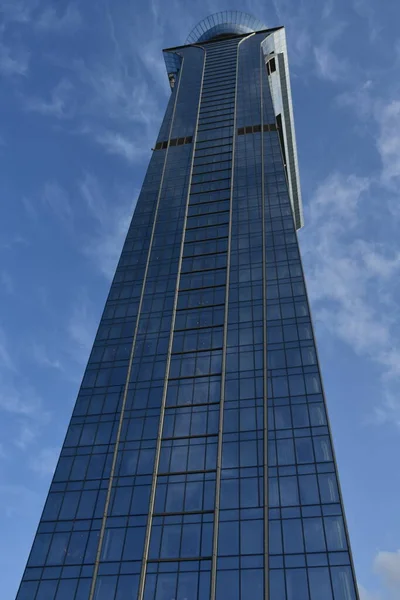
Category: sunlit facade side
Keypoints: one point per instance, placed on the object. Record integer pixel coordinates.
(198, 463)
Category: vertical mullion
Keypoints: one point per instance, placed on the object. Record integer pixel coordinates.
(223, 370)
(265, 339)
(125, 394)
(171, 337)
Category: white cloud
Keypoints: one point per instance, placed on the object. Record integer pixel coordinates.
(13, 241)
(120, 145)
(387, 566)
(338, 197)
(6, 361)
(296, 19)
(44, 462)
(29, 207)
(17, 11)
(111, 221)
(41, 357)
(19, 501)
(20, 401)
(388, 411)
(329, 65)
(81, 329)
(7, 282)
(388, 142)
(13, 60)
(60, 104)
(57, 199)
(366, 10)
(366, 595)
(26, 435)
(51, 20)
(350, 278)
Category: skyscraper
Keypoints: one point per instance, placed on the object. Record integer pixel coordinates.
(198, 462)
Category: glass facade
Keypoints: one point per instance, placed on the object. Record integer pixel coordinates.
(198, 462)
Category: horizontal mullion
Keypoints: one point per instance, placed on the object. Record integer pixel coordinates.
(220, 85)
(187, 512)
(194, 191)
(178, 558)
(211, 374)
(191, 242)
(207, 225)
(196, 351)
(221, 166)
(209, 175)
(219, 119)
(213, 109)
(189, 437)
(219, 80)
(206, 160)
(227, 116)
(226, 162)
(216, 94)
(206, 111)
(200, 307)
(204, 254)
(175, 406)
(207, 98)
(215, 125)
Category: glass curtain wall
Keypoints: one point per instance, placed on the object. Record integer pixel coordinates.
(198, 462)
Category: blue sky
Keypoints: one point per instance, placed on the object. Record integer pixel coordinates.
(82, 94)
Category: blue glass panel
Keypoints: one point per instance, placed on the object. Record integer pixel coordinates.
(296, 584)
(320, 584)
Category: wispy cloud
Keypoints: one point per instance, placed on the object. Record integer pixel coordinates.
(55, 21)
(359, 98)
(296, 19)
(367, 10)
(7, 282)
(12, 241)
(25, 409)
(81, 329)
(111, 220)
(6, 360)
(42, 358)
(61, 103)
(387, 566)
(18, 399)
(350, 277)
(389, 142)
(118, 144)
(330, 65)
(387, 412)
(366, 595)
(14, 59)
(19, 500)
(44, 462)
(57, 200)
(107, 97)
(22, 402)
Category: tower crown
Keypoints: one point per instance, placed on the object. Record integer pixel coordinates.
(224, 24)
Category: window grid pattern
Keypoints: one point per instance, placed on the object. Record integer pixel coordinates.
(308, 546)
(240, 572)
(172, 343)
(183, 518)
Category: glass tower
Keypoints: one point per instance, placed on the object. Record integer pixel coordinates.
(198, 462)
